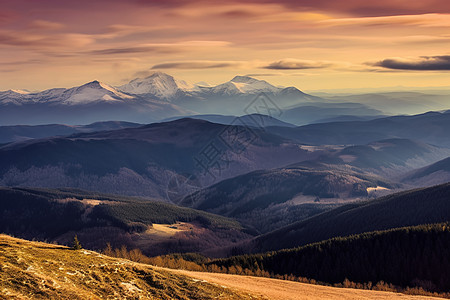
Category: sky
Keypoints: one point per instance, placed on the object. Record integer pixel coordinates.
(313, 45)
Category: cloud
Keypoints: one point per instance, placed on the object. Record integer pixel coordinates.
(135, 50)
(421, 20)
(161, 48)
(32, 40)
(263, 74)
(348, 7)
(45, 25)
(295, 64)
(198, 65)
(423, 63)
(284, 64)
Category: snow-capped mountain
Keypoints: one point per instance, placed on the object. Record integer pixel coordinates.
(164, 86)
(167, 88)
(245, 85)
(92, 92)
(159, 85)
(155, 97)
(88, 103)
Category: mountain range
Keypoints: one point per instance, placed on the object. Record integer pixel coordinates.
(161, 96)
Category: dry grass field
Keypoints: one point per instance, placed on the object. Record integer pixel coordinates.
(275, 289)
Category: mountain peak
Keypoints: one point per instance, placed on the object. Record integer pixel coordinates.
(92, 84)
(22, 92)
(159, 74)
(158, 84)
(244, 79)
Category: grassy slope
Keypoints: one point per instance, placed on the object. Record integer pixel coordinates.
(31, 270)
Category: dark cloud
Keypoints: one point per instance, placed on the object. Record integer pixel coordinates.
(424, 63)
(237, 13)
(292, 64)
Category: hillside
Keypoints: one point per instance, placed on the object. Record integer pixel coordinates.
(44, 271)
(141, 161)
(270, 199)
(436, 173)
(390, 158)
(410, 208)
(154, 227)
(405, 257)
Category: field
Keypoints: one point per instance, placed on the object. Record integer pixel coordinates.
(275, 289)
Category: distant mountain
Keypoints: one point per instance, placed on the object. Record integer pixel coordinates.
(431, 128)
(320, 111)
(252, 120)
(98, 219)
(410, 208)
(348, 118)
(436, 173)
(270, 199)
(151, 160)
(25, 132)
(395, 103)
(390, 158)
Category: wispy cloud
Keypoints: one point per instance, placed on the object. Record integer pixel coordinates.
(422, 20)
(136, 50)
(423, 63)
(32, 40)
(45, 25)
(283, 64)
(198, 65)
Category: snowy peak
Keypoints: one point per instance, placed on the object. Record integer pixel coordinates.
(21, 92)
(91, 92)
(94, 91)
(159, 84)
(244, 79)
(249, 85)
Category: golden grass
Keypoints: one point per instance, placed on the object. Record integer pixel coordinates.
(32, 270)
(276, 289)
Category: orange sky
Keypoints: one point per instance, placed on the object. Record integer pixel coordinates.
(313, 45)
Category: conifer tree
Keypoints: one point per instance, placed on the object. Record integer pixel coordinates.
(76, 245)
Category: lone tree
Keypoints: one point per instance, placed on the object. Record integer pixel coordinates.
(76, 245)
